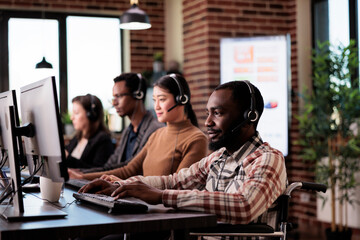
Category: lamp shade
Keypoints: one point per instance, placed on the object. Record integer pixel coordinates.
(43, 64)
(135, 19)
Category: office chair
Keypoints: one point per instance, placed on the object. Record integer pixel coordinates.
(256, 230)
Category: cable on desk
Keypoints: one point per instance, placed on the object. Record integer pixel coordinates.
(53, 203)
(9, 190)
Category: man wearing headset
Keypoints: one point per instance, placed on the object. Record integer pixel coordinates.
(238, 182)
(129, 92)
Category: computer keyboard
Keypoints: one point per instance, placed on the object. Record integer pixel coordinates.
(128, 205)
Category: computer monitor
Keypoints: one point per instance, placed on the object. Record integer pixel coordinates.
(7, 99)
(44, 146)
(11, 148)
(40, 110)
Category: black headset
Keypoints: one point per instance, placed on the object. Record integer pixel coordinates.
(138, 94)
(91, 114)
(182, 98)
(250, 115)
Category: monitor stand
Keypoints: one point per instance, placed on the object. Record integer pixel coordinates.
(10, 213)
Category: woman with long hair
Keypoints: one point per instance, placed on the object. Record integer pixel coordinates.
(92, 145)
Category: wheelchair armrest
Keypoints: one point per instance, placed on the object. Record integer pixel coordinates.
(314, 186)
(306, 186)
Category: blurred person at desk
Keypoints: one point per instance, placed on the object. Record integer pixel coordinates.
(169, 149)
(238, 182)
(129, 93)
(92, 143)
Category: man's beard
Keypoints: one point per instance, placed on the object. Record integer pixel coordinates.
(224, 141)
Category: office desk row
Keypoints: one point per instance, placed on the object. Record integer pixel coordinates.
(86, 220)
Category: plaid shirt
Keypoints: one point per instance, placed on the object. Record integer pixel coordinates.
(238, 188)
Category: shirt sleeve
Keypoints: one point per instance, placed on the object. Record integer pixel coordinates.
(187, 178)
(264, 182)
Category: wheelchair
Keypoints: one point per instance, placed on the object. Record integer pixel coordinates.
(277, 230)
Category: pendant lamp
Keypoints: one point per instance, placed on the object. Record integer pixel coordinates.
(134, 18)
(43, 64)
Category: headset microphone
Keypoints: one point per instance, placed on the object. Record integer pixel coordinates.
(235, 129)
(176, 104)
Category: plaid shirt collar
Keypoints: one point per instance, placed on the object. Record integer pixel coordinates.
(227, 166)
(249, 147)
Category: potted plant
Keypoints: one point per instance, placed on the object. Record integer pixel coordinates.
(68, 126)
(325, 124)
(158, 63)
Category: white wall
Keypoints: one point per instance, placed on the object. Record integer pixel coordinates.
(174, 47)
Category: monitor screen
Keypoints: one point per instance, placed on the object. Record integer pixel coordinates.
(45, 149)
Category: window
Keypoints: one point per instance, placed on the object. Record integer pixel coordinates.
(336, 21)
(93, 53)
(29, 41)
(331, 21)
(85, 52)
(339, 22)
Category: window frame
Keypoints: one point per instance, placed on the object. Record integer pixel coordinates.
(324, 30)
(5, 15)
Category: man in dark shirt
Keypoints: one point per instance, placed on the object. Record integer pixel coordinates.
(130, 142)
(129, 94)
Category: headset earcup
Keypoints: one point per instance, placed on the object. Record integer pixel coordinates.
(138, 95)
(251, 116)
(91, 115)
(182, 99)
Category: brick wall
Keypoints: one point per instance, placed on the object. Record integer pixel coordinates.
(204, 23)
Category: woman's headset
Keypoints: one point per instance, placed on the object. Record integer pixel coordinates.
(92, 114)
(182, 98)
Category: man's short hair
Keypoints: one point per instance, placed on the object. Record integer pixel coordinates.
(132, 82)
(241, 95)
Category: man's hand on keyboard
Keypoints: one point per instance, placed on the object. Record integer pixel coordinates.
(99, 186)
(139, 190)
